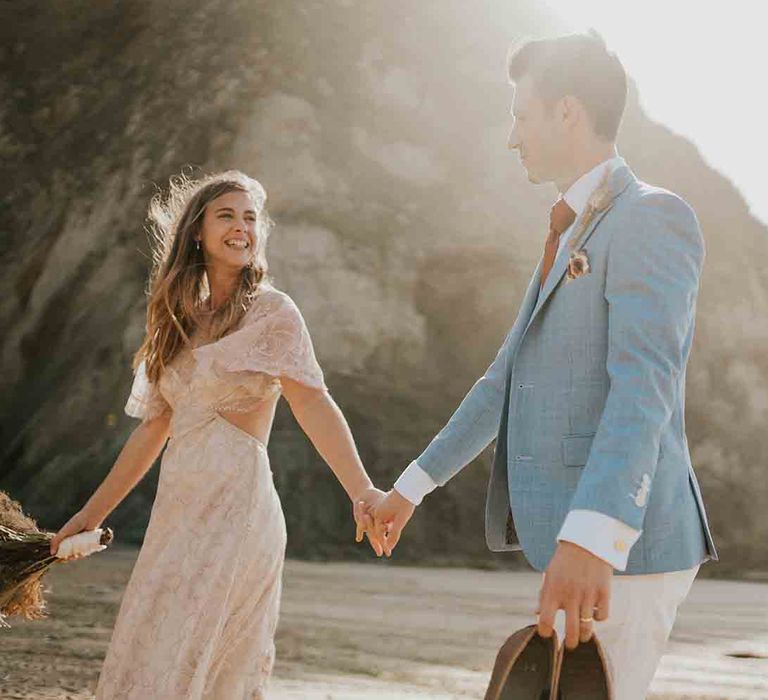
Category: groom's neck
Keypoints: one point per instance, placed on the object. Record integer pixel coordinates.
(583, 159)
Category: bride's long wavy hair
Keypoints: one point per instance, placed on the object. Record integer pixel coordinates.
(178, 284)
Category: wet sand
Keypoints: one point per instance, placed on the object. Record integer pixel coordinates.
(379, 631)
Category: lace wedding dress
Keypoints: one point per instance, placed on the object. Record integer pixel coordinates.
(198, 616)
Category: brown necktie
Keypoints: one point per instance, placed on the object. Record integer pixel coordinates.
(561, 216)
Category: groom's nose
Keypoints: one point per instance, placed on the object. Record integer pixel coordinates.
(513, 142)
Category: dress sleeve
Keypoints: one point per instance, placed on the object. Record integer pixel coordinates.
(274, 340)
(146, 401)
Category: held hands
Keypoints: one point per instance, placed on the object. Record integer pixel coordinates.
(390, 517)
(364, 503)
(579, 583)
(382, 517)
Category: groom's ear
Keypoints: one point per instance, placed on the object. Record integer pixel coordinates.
(571, 112)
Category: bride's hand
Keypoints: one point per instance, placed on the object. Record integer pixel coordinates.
(77, 523)
(364, 503)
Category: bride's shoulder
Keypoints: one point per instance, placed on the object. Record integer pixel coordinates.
(272, 301)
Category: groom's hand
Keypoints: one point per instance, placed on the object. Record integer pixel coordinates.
(391, 515)
(364, 504)
(580, 583)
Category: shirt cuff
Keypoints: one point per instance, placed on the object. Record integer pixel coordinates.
(604, 536)
(414, 483)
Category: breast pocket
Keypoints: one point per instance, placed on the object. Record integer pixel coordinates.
(576, 449)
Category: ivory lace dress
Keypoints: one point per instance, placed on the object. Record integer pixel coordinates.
(198, 616)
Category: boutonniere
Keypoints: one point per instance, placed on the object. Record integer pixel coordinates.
(578, 265)
(599, 200)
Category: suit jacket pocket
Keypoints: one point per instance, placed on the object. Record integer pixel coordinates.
(576, 449)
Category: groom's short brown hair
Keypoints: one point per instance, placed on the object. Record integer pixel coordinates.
(578, 65)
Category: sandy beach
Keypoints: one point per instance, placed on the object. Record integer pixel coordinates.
(365, 631)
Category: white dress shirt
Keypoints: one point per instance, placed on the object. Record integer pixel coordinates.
(604, 536)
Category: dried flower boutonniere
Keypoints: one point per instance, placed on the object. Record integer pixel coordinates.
(599, 200)
(578, 265)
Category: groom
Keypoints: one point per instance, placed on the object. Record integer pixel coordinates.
(592, 474)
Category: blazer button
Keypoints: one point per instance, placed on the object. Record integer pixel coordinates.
(620, 545)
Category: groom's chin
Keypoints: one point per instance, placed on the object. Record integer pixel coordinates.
(533, 178)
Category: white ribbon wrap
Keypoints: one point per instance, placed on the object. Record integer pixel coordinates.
(83, 543)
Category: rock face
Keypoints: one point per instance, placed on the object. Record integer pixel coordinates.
(405, 232)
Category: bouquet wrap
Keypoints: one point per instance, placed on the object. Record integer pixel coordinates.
(81, 545)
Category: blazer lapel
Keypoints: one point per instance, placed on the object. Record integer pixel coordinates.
(531, 296)
(526, 309)
(619, 180)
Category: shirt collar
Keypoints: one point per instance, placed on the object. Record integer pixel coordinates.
(579, 192)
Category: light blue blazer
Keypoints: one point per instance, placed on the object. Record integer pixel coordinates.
(586, 396)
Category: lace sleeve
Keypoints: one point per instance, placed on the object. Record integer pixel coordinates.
(274, 339)
(145, 401)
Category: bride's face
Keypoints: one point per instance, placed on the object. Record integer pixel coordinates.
(228, 233)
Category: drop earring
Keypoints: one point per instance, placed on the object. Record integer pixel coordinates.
(197, 244)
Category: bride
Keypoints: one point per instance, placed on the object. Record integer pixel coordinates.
(198, 616)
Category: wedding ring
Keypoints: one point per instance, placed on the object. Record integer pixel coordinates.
(585, 620)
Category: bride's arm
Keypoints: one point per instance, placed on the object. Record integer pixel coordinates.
(137, 456)
(322, 420)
